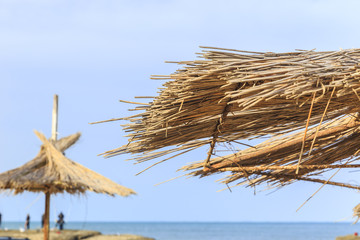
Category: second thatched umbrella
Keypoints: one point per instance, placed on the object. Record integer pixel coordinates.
(51, 172)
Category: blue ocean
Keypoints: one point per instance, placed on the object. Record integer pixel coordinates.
(213, 230)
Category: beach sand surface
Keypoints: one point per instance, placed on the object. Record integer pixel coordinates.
(348, 237)
(68, 235)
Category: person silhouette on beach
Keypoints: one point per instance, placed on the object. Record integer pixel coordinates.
(0, 219)
(42, 220)
(27, 222)
(60, 221)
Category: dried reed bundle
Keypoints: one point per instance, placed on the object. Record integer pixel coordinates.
(306, 101)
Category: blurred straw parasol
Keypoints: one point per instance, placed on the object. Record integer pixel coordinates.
(356, 213)
(51, 172)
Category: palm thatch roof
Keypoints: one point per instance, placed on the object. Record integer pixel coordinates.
(50, 171)
(305, 102)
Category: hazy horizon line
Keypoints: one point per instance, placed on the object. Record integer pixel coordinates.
(170, 221)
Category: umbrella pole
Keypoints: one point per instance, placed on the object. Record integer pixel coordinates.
(54, 126)
(47, 213)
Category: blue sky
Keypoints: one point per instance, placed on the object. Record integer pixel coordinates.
(94, 53)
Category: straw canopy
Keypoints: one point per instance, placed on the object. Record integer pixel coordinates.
(356, 213)
(305, 102)
(50, 171)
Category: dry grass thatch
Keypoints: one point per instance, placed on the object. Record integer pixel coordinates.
(306, 102)
(50, 171)
(356, 213)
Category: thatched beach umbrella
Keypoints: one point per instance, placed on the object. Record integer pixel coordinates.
(356, 213)
(51, 172)
(306, 102)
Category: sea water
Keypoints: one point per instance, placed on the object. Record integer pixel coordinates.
(213, 230)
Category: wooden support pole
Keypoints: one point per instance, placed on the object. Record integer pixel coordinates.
(54, 127)
(46, 219)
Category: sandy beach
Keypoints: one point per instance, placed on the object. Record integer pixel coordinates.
(348, 237)
(68, 235)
